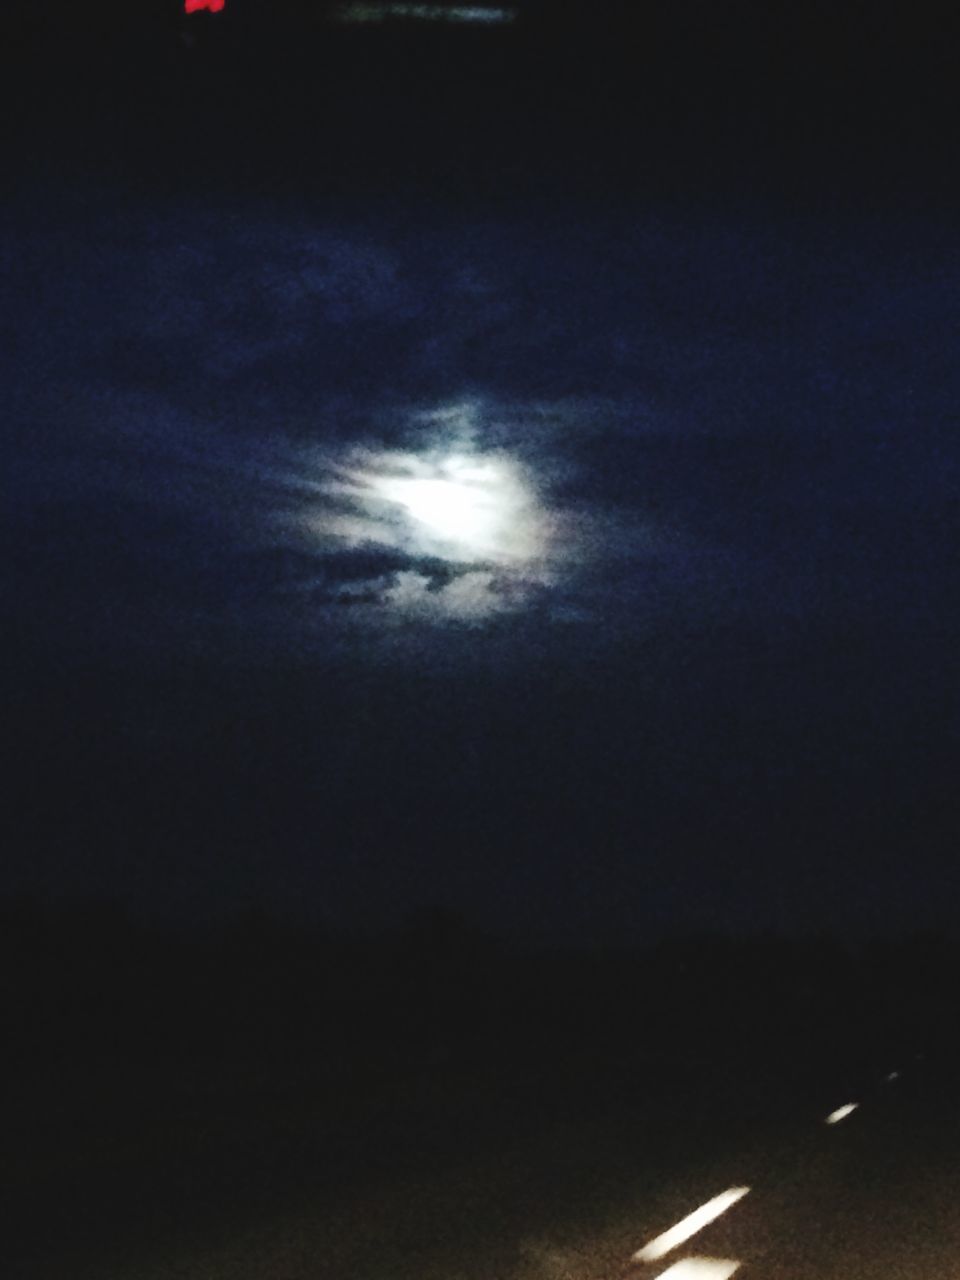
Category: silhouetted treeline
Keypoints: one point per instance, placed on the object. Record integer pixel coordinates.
(92, 980)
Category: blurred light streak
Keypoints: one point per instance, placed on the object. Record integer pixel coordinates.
(690, 1225)
(841, 1113)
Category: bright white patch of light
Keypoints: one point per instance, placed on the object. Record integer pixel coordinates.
(450, 508)
(690, 1225)
(894, 1075)
(701, 1269)
(461, 506)
(841, 1113)
(426, 13)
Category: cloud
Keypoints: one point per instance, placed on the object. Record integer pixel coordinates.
(661, 417)
(471, 598)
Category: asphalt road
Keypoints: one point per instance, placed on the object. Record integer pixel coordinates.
(605, 1198)
(872, 1194)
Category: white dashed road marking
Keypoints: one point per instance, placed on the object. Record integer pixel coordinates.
(689, 1226)
(841, 1113)
(700, 1269)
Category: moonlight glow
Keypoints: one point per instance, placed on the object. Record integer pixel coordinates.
(460, 506)
(465, 505)
(450, 509)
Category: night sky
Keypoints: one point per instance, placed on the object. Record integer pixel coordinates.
(509, 467)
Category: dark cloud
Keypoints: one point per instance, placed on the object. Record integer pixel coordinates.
(774, 415)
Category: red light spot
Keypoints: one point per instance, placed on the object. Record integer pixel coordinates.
(194, 6)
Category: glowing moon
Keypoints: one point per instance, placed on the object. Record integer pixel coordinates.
(453, 510)
(481, 512)
(462, 506)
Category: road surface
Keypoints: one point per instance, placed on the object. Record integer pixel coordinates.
(859, 1180)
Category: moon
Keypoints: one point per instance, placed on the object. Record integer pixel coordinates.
(460, 506)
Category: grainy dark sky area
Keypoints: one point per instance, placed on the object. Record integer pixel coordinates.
(510, 466)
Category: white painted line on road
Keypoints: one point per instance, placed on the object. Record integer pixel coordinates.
(690, 1225)
(841, 1113)
(700, 1269)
